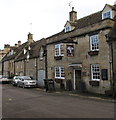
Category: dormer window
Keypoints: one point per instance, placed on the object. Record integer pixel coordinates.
(25, 51)
(67, 29)
(107, 14)
(29, 48)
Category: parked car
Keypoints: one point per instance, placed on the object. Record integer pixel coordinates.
(4, 79)
(15, 80)
(26, 81)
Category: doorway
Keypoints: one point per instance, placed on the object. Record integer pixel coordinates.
(77, 79)
(41, 77)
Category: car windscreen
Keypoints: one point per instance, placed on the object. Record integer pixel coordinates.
(26, 78)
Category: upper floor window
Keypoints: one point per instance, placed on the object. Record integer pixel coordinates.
(67, 29)
(107, 14)
(59, 72)
(94, 43)
(95, 72)
(41, 53)
(59, 51)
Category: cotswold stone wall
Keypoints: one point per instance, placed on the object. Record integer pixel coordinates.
(82, 56)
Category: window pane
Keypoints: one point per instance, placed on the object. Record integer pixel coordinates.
(94, 42)
(57, 72)
(59, 50)
(95, 72)
(62, 72)
(107, 15)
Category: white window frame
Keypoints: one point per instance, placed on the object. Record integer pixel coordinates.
(95, 72)
(58, 49)
(61, 72)
(94, 38)
(67, 28)
(41, 53)
(105, 17)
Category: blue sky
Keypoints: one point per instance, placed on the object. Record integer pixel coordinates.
(47, 17)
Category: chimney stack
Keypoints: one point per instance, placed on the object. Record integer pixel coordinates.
(30, 38)
(19, 43)
(16, 45)
(73, 15)
(6, 47)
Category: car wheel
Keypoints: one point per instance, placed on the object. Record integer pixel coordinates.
(23, 85)
(18, 85)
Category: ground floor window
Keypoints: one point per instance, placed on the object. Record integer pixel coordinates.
(95, 72)
(59, 72)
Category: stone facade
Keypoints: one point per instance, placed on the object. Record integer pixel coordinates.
(77, 58)
(85, 70)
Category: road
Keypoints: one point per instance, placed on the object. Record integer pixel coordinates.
(35, 103)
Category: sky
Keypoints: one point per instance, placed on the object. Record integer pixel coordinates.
(42, 18)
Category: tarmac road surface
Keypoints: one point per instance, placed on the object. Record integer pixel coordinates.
(34, 103)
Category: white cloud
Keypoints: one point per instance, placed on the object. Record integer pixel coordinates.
(47, 16)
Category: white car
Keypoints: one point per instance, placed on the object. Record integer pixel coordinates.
(4, 79)
(15, 80)
(26, 81)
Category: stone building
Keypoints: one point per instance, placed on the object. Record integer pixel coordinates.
(2, 54)
(111, 39)
(31, 61)
(78, 57)
(8, 66)
(27, 59)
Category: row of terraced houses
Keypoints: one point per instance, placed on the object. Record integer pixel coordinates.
(80, 57)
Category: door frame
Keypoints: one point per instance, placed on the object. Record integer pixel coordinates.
(74, 77)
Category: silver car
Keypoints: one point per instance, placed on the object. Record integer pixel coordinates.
(26, 81)
(15, 80)
(4, 79)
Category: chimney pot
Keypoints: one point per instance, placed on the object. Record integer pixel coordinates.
(72, 8)
(15, 45)
(19, 43)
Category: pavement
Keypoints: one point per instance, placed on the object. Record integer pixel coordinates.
(86, 95)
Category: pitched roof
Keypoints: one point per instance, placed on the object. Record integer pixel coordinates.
(16, 51)
(82, 23)
(33, 52)
(89, 20)
(113, 7)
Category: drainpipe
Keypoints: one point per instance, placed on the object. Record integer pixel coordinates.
(46, 71)
(14, 67)
(111, 67)
(36, 68)
(2, 68)
(24, 67)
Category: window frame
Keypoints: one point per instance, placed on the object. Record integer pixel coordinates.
(93, 37)
(61, 74)
(59, 49)
(106, 16)
(94, 73)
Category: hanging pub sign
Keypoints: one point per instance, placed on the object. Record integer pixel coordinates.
(104, 74)
(70, 50)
